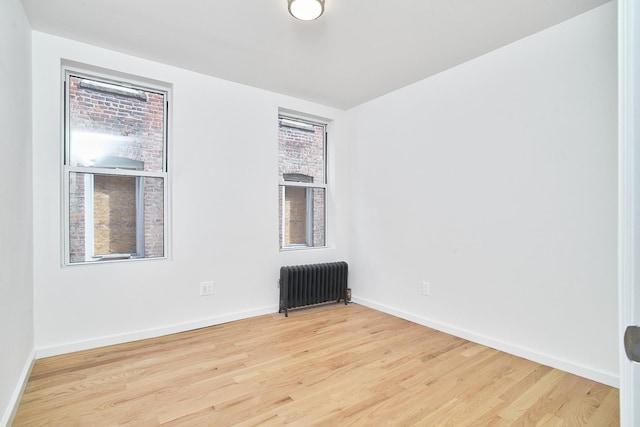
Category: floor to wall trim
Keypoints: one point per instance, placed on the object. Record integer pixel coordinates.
(568, 366)
(149, 333)
(12, 408)
(609, 379)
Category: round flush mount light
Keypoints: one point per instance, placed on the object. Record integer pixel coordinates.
(306, 10)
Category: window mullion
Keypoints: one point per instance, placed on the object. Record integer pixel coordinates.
(106, 171)
(302, 184)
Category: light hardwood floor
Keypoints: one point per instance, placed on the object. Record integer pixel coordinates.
(330, 365)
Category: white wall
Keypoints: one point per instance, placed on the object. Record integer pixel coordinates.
(496, 182)
(224, 184)
(16, 278)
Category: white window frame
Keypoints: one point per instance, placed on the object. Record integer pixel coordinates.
(283, 184)
(90, 172)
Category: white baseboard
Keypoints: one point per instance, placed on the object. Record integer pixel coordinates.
(609, 379)
(150, 333)
(12, 407)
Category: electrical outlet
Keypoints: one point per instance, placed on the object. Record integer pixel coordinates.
(426, 288)
(206, 288)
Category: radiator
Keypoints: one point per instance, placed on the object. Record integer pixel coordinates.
(302, 285)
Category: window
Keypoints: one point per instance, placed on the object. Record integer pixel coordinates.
(303, 183)
(115, 169)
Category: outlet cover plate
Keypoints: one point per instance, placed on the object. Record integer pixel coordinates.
(206, 288)
(426, 288)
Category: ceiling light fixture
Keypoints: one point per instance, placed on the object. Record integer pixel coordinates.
(306, 10)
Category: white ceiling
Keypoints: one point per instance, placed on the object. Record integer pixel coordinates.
(357, 51)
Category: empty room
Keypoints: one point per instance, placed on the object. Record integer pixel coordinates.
(316, 212)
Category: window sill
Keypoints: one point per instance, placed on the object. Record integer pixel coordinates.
(302, 248)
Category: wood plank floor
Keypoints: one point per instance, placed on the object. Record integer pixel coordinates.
(331, 365)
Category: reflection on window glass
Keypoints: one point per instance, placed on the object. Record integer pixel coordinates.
(110, 122)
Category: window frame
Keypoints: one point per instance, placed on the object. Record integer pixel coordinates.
(310, 186)
(134, 83)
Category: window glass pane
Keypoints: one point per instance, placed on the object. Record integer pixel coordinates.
(302, 216)
(301, 159)
(318, 216)
(115, 126)
(301, 151)
(153, 223)
(295, 216)
(115, 217)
